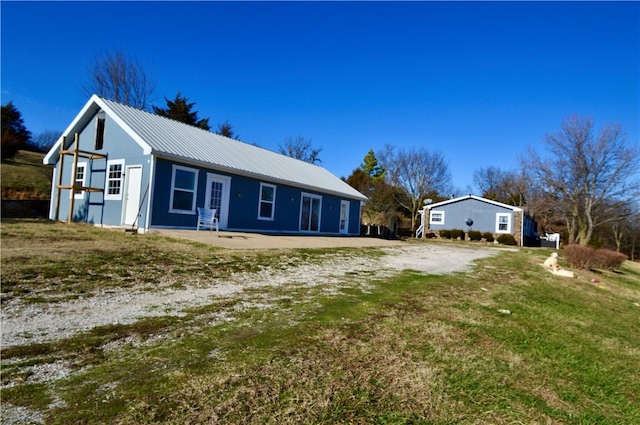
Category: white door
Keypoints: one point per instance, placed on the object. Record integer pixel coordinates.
(344, 217)
(132, 195)
(217, 197)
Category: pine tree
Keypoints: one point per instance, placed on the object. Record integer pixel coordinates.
(15, 135)
(371, 166)
(225, 129)
(180, 110)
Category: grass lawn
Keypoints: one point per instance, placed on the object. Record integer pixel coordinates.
(26, 177)
(410, 349)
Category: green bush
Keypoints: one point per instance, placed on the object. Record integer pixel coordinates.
(445, 234)
(457, 233)
(474, 235)
(506, 239)
(584, 257)
(488, 236)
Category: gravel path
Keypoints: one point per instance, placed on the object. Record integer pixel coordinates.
(24, 323)
(32, 323)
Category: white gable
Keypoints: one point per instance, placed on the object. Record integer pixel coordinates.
(477, 198)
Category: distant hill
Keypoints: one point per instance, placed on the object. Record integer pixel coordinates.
(26, 177)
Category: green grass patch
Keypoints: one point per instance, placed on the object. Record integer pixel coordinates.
(26, 177)
(408, 349)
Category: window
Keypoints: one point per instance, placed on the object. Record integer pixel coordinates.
(503, 223)
(113, 189)
(267, 203)
(184, 185)
(436, 217)
(80, 179)
(99, 141)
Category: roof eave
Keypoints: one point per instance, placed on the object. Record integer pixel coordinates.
(477, 198)
(266, 178)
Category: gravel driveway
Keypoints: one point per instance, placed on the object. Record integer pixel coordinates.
(24, 323)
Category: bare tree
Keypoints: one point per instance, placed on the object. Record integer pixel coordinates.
(508, 187)
(42, 142)
(634, 235)
(115, 76)
(584, 172)
(418, 172)
(300, 148)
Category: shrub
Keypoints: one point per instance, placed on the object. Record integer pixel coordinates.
(457, 233)
(445, 234)
(488, 236)
(584, 257)
(608, 259)
(475, 235)
(506, 239)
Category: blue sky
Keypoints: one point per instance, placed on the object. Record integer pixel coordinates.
(475, 81)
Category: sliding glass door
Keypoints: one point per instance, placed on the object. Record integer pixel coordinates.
(310, 213)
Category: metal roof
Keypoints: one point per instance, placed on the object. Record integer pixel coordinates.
(477, 198)
(172, 139)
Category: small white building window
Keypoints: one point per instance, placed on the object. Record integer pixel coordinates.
(184, 187)
(503, 223)
(436, 217)
(99, 138)
(266, 207)
(80, 179)
(115, 177)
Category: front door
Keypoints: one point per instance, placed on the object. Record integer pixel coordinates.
(344, 217)
(217, 197)
(310, 213)
(132, 195)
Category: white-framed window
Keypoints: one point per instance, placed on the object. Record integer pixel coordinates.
(80, 179)
(266, 205)
(503, 223)
(115, 177)
(436, 217)
(184, 188)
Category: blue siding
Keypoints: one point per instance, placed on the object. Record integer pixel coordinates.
(93, 208)
(244, 198)
(483, 215)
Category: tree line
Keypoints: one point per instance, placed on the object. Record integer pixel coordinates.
(585, 186)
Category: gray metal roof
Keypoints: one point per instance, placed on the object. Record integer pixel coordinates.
(477, 198)
(175, 140)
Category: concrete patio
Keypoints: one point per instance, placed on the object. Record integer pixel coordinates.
(242, 240)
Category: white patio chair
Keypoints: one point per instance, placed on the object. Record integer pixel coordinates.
(207, 218)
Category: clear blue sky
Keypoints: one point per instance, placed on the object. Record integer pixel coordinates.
(475, 81)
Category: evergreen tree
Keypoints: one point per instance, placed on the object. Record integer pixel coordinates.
(180, 110)
(225, 129)
(15, 135)
(371, 166)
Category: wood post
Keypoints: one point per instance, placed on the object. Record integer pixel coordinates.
(76, 148)
(60, 171)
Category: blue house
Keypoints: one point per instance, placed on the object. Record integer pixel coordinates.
(475, 213)
(117, 166)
